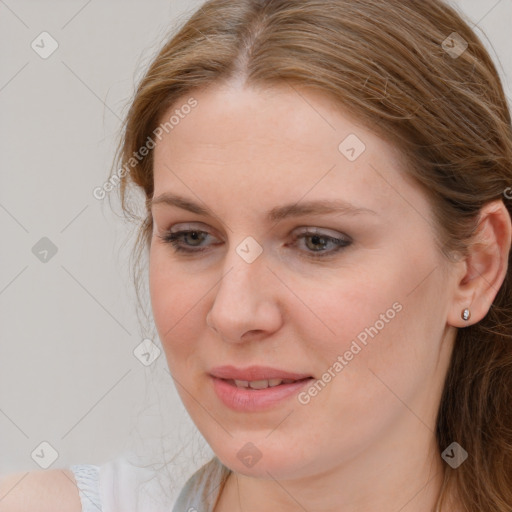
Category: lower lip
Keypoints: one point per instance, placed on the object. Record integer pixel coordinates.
(253, 400)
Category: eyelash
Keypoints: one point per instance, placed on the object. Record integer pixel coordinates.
(173, 240)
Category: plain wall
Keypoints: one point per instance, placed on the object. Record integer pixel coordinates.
(68, 375)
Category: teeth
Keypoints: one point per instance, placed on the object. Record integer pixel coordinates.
(261, 384)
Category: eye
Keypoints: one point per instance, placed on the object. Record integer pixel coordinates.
(175, 239)
(316, 241)
(189, 242)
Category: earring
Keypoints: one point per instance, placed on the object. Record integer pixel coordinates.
(466, 314)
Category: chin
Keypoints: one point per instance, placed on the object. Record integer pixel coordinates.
(267, 463)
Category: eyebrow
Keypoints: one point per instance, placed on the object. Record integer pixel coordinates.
(318, 207)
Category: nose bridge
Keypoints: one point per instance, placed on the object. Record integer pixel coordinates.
(244, 266)
(241, 301)
(240, 282)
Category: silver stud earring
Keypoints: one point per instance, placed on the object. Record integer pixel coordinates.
(466, 314)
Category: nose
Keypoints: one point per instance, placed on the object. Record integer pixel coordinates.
(246, 305)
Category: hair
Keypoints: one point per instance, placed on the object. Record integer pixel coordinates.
(384, 62)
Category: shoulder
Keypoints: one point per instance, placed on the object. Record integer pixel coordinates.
(46, 491)
(122, 484)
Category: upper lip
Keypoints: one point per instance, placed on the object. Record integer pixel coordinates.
(253, 373)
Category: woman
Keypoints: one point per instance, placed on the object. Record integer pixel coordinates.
(328, 230)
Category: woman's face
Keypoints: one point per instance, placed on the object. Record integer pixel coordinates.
(355, 297)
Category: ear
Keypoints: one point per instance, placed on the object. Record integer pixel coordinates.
(485, 267)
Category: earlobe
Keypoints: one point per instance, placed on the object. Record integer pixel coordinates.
(486, 266)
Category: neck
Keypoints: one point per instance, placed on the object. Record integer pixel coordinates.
(392, 476)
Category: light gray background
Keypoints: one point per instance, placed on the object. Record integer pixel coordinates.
(69, 326)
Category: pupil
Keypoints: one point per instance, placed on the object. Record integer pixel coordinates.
(316, 239)
(194, 235)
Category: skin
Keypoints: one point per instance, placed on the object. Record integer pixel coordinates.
(366, 441)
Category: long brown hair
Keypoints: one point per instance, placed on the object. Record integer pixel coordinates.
(398, 67)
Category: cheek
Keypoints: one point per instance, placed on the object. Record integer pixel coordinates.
(374, 330)
(361, 371)
(176, 306)
(353, 305)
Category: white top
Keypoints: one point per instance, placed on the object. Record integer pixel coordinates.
(120, 486)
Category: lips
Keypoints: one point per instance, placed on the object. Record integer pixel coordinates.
(256, 388)
(256, 399)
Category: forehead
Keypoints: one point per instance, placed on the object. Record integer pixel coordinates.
(275, 143)
(228, 117)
